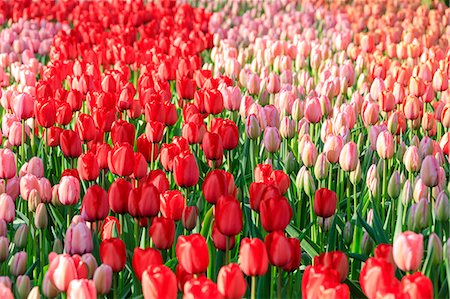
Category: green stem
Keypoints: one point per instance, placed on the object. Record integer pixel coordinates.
(280, 282)
(227, 250)
(253, 288)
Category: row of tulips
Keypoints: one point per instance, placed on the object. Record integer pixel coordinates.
(158, 149)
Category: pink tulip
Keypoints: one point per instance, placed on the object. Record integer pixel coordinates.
(36, 167)
(23, 105)
(69, 190)
(313, 111)
(332, 148)
(28, 183)
(7, 208)
(81, 288)
(408, 251)
(8, 167)
(271, 139)
(348, 159)
(78, 239)
(385, 145)
(429, 172)
(15, 134)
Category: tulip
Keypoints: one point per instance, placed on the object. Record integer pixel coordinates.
(21, 236)
(200, 287)
(296, 251)
(377, 276)
(417, 286)
(5, 292)
(144, 201)
(271, 139)
(172, 204)
(429, 171)
(113, 253)
(91, 263)
(123, 132)
(162, 232)
(35, 167)
(28, 183)
(23, 286)
(69, 190)
(95, 204)
(34, 293)
(434, 249)
(441, 207)
(408, 251)
(159, 282)
(121, 159)
(320, 282)
(81, 288)
(276, 213)
(336, 260)
(18, 263)
(118, 195)
(186, 170)
(231, 282)
(154, 131)
(7, 208)
(229, 133)
(103, 279)
(348, 159)
(192, 253)
(88, 167)
(276, 245)
(212, 146)
(412, 160)
(4, 249)
(325, 203)
(78, 239)
(385, 145)
(85, 127)
(48, 289)
(189, 217)
(62, 271)
(228, 216)
(143, 258)
(252, 128)
(41, 217)
(384, 251)
(70, 144)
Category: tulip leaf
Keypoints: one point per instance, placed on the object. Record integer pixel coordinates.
(355, 289)
(172, 263)
(332, 235)
(358, 257)
(398, 224)
(56, 215)
(310, 247)
(378, 227)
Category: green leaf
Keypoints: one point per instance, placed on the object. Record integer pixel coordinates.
(355, 289)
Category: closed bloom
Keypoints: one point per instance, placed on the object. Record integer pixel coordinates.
(8, 167)
(62, 271)
(417, 286)
(228, 216)
(408, 251)
(271, 139)
(162, 232)
(159, 282)
(143, 258)
(69, 190)
(231, 282)
(325, 201)
(81, 288)
(336, 260)
(186, 170)
(385, 145)
(113, 253)
(103, 279)
(412, 159)
(78, 239)
(95, 205)
(7, 208)
(192, 253)
(429, 172)
(348, 159)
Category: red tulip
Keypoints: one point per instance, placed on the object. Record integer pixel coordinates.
(336, 260)
(110, 227)
(143, 258)
(230, 282)
(189, 217)
(158, 179)
(296, 259)
(192, 253)
(148, 149)
(278, 248)
(140, 166)
(185, 170)
(172, 204)
(101, 152)
(118, 195)
(228, 216)
(144, 201)
(162, 232)
(185, 88)
(63, 114)
(113, 253)
(325, 201)
(213, 101)
(384, 251)
(212, 146)
(154, 131)
(168, 154)
(417, 286)
(70, 144)
(121, 159)
(261, 191)
(321, 282)
(229, 133)
(159, 282)
(45, 112)
(85, 127)
(217, 183)
(220, 240)
(282, 180)
(377, 276)
(95, 204)
(253, 257)
(52, 136)
(276, 213)
(183, 276)
(88, 168)
(122, 131)
(201, 287)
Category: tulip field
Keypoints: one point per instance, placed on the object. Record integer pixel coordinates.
(224, 149)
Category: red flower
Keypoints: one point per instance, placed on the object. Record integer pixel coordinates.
(121, 159)
(228, 216)
(231, 282)
(159, 282)
(162, 232)
(276, 213)
(296, 258)
(122, 131)
(217, 183)
(70, 144)
(88, 168)
(336, 260)
(118, 195)
(253, 257)
(95, 204)
(417, 286)
(185, 170)
(212, 146)
(143, 258)
(144, 201)
(325, 201)
(278, 248)
(192, 253)
(113, 253)
(321, 282)
(172, 204)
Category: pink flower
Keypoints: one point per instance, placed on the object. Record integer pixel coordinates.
(408, 251)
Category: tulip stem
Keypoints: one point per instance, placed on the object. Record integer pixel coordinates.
(253, 288)
(384, 195)
(22, 146)
(227, 250)
(280, 282)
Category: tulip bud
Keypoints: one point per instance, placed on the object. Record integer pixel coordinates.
(90, 262)
(34, 294)
(325, 223)
(3, 228)
(21, 236)
(447, 250)
(419, 215)
(4, 249)
(103, 279)
(355, 175)
(18, 263)
(408, 251)
(411, 159)
(429, 172)
(290, 163)
(5, 281)
(189, 217)
(23, 286)
(271, 139)
(321, 167)
(367, 244)
(401, 150)
(58, 246)
(435, 249)
(48, 288)
(394, 185)
(41, 217)
(308, 184)
(34, 199)
(441, 207)
(407, 193)
(55, 197)
(348, 233)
